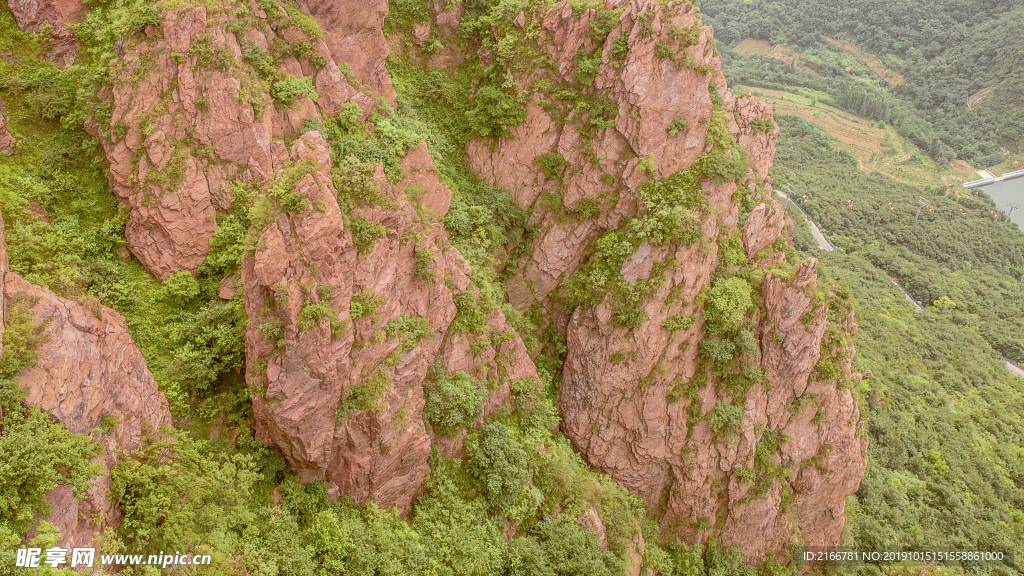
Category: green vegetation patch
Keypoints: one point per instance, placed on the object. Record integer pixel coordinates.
(451, 401)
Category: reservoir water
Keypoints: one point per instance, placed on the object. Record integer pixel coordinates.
(1004, 192)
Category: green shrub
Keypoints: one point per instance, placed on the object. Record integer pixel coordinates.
(179, 288)
(720, 168)
(203, 344)
(552, 164)
(424, 259)
(677, 322)
(678, 125)
(620, 48)
(587, 208)
(746, 343)
(628, 317)
(36, 455)
(356, 185)
(283, 191)
(312, 314)
(664, 49)
(498, 463)
(646, 19)
(828, 369)
(523, 327)
(720, 353)
(573, 550)
(210, 56)
(314, 124)
(368, 394)
(587, 67)
(303, 22)
(729, 300)
(494, 111)
(472, 313)
(271, 329)
(759, 124)
(211, 514)
(726, 419)
(364, 304)
(412, 330)
(286, 91)
(451, 402)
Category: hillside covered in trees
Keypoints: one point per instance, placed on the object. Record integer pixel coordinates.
(945, 466)
(946, 51)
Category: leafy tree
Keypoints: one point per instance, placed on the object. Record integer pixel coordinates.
(574, 551)
(494, 111)
(36, 455)
(451, 402)
(498, 462)
(729, 300)
(171, 495)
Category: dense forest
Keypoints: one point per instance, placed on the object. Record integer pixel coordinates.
(955, 253)
(945, 467)
(947, 51)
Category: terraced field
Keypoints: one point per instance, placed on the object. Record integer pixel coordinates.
(891, 76)
(878, 149)
(787, 54)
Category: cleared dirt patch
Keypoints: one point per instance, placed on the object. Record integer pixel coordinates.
(752, 46)
(891, 76)
(963, 169)
(788, 55)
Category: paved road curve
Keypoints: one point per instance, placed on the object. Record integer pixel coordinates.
(815, 231)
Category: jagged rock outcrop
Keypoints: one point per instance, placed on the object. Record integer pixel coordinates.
(190, 114)
(650, 93)
(354, 35)
(639, 398)
(340, 342)
(60, 15)
(89, 375)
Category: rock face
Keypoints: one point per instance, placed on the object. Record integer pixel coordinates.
(90, 376)
(650, 92)
(6, 140)
(353, 32)
(707, 445)
(190, 114)
(60, 15)
(340, 342)
(667, 446)
(745, 432)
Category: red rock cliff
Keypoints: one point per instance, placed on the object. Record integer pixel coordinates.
(762, 449)
(89, 375)
(192, 111)
(339, 390)
(639, 399)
